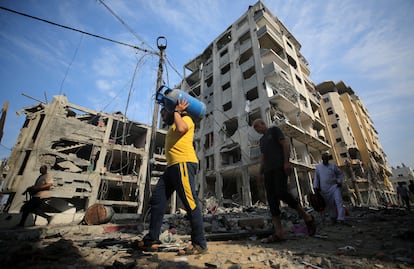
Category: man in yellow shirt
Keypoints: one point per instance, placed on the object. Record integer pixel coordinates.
(179, 176)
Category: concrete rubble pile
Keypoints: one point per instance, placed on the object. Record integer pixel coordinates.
(373, 239)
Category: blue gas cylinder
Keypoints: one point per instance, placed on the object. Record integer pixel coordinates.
(169, 97)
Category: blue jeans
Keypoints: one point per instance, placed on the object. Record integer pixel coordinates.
(180, 178)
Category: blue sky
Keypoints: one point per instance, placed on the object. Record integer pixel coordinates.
(367, 44)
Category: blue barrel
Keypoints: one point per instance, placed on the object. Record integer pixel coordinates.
(169, 97)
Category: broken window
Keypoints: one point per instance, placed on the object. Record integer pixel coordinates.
(227, 106)
(245, 56)
(230, 126)
(230, 154)
(224, 40)
(253, 116)
(211, 185)
(329, 110)
(229, 190)
(344, 155)
(209, 140)
(225, 69)
(292, 61)
(224, 52)
(249, 72)
(209, 162)
(252, 94)
(303, 100)
(225, 86)
(298, 79)
(209, 81)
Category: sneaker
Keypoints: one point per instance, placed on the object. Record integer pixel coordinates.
(193, 250)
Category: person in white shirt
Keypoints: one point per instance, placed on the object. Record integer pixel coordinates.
(328, 180)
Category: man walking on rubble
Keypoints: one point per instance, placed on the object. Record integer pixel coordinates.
(39, 192)
(328, 180)
(179, 176)
(275, 167)
(402, 193)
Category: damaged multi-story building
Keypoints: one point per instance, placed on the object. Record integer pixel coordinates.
(355, 144)
(254, 69)
(94, 157)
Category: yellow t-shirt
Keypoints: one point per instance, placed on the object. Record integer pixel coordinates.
(180, 148)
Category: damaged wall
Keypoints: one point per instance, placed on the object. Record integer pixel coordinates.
(94, 157)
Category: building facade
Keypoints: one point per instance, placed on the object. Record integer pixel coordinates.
(355, 144)
(253, 70)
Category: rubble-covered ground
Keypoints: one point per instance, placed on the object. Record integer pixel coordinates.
(372, 238)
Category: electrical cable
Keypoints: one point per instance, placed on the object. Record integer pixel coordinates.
(77, 30)
(123, 23)
(70, 65)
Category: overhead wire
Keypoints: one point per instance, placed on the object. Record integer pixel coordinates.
(77, 30)
(124, 23)
(70, 65)
(174, 68)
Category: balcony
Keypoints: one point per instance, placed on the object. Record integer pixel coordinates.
(267, 36)
(280, 91)
(193, 78)
(269, 56)
(302, 136)
(274, 72)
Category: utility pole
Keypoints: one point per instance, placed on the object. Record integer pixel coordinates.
(162, 45)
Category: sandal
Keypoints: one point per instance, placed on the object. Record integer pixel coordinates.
(145, 245)
(311, 226)
(192, 250)
(273, 239)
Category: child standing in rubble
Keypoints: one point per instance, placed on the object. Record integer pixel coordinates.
(275, 167)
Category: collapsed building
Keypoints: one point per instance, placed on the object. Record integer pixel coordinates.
(94, 157)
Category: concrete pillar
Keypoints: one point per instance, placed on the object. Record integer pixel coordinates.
(246, 191)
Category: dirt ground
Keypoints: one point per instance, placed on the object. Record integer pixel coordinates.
(371, 239)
